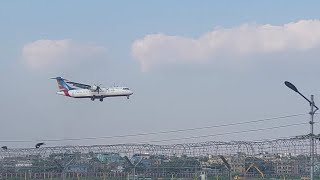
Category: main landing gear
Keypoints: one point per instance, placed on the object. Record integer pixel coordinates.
(94, 97)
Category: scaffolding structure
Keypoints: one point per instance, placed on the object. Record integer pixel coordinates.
(296, 146)
(275, 158)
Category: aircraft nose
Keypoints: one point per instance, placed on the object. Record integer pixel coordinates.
(130, 92)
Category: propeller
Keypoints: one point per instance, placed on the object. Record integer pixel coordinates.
(115, 85)
(98, 88)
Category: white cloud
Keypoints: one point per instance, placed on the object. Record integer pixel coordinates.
(47, 53)
(247, 39)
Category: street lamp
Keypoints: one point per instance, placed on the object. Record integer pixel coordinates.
(312, 112)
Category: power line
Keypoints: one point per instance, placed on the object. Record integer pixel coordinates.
(221, 134)
(155, 133)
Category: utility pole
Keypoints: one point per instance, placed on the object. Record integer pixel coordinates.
(313, 109)
(312, 112)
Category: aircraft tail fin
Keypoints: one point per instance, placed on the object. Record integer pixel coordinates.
(62, 85)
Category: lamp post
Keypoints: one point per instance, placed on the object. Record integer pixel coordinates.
(311, 122)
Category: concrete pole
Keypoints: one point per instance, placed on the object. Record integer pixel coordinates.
(312, 112)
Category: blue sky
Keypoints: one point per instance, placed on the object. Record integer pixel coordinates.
(189, 63)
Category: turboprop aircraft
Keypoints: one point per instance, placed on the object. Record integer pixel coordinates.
(89, 91)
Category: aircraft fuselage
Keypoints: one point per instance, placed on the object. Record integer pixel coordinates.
(86, 93)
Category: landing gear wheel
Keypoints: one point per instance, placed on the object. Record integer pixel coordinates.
(101, 99)
(128, 97)
(93, 98)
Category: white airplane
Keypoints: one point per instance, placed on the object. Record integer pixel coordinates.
(89, 91)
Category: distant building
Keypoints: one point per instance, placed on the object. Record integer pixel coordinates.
(80, 168)
(109, 157)
(286, 167)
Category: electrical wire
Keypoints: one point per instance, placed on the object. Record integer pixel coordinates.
(155, 133)
(221, 134)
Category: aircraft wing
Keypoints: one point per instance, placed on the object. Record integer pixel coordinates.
(79, 85)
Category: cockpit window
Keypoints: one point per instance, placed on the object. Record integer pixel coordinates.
(125, 88)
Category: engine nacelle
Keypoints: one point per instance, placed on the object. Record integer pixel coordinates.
(93, 88)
